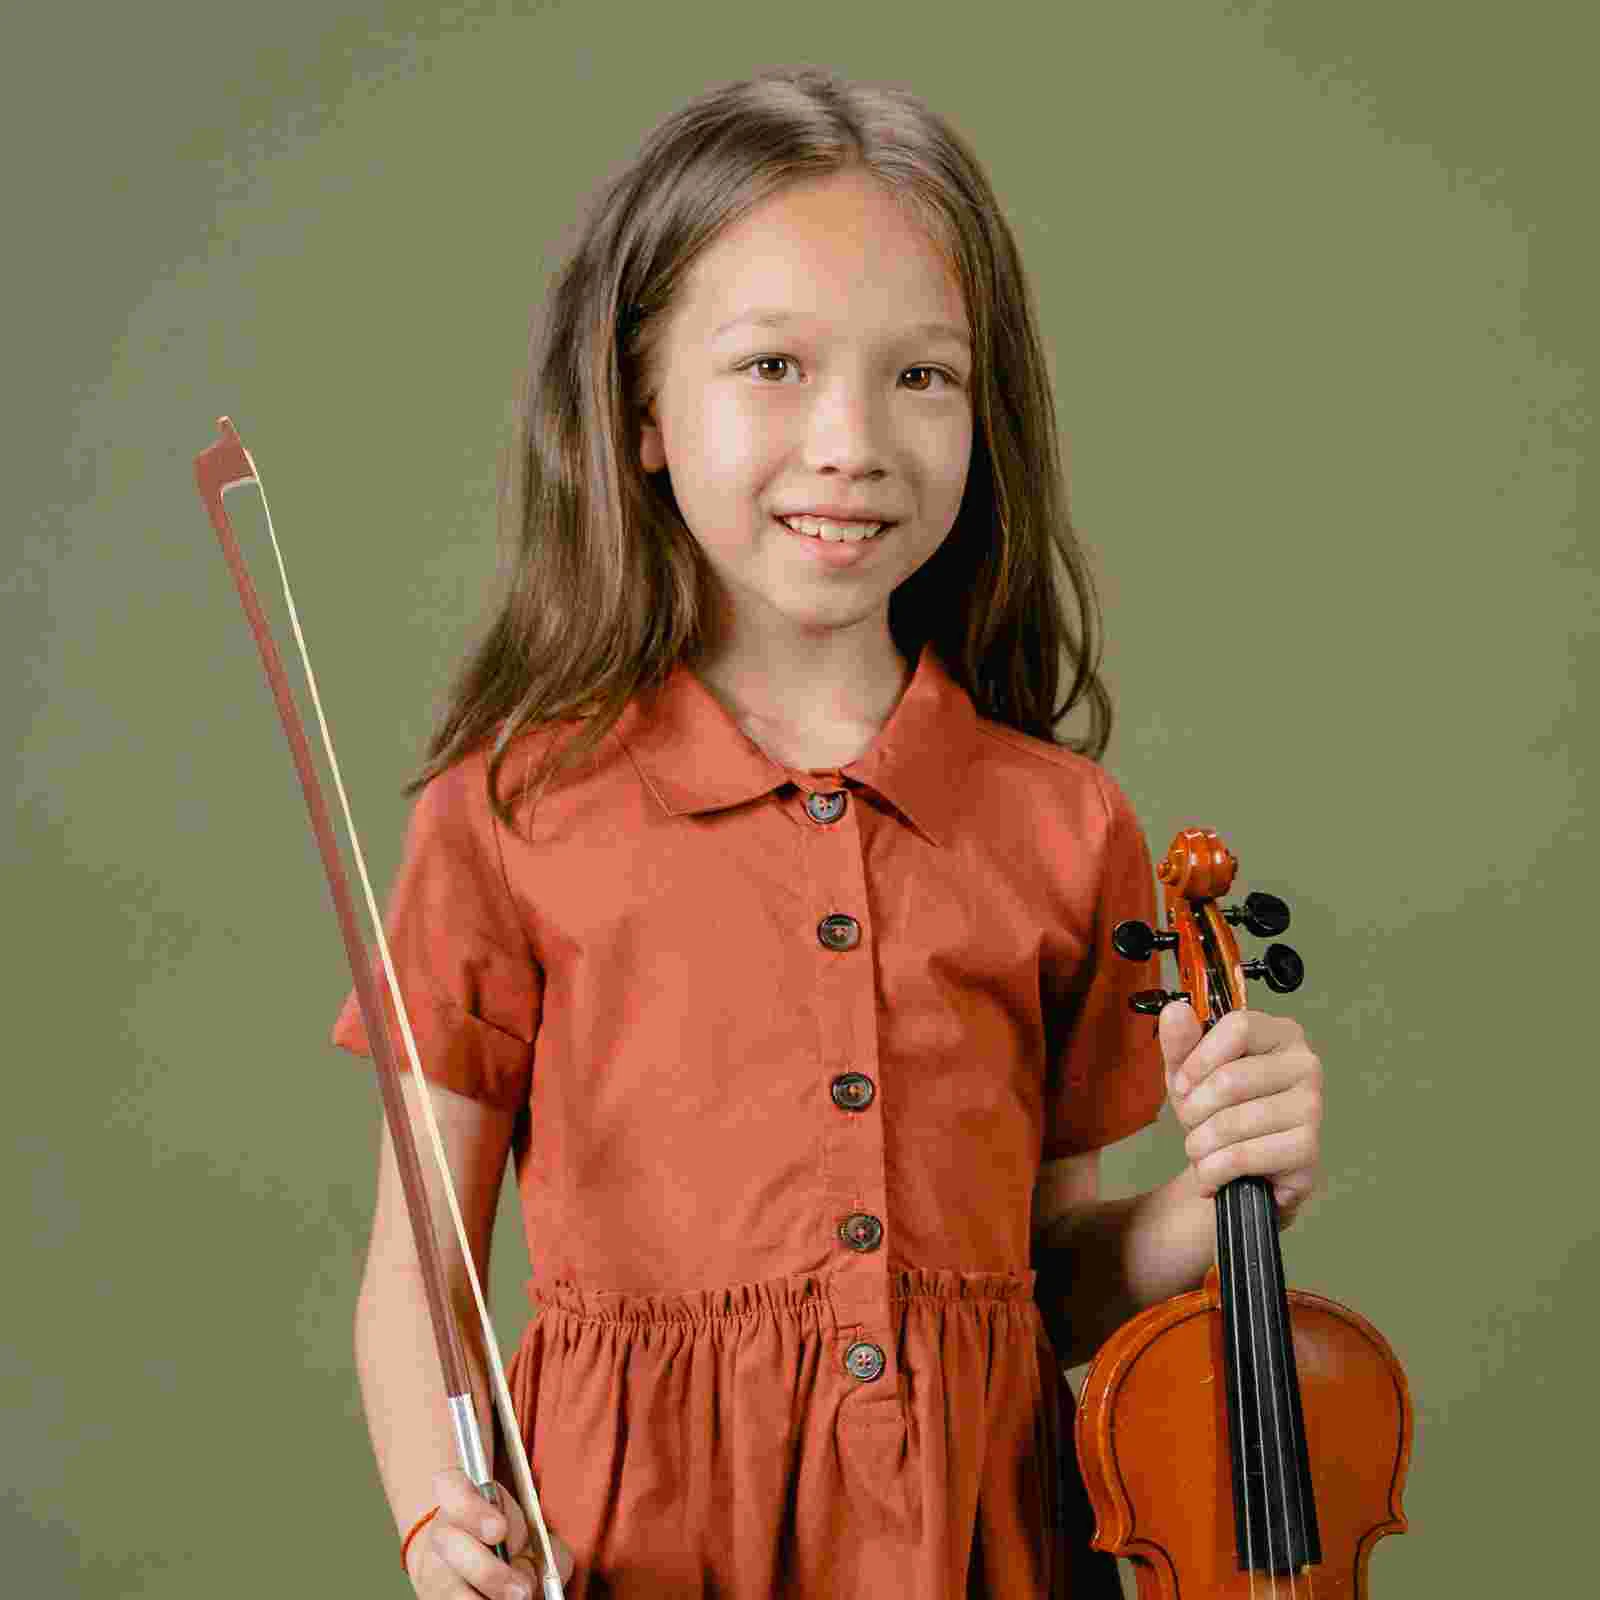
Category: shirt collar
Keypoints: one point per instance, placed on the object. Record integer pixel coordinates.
(694, 757)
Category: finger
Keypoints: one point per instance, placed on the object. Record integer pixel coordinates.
(1251, 1078)
(1179, 1032)
(1239, 1033)
(522, 1541)
(531, 1561)
(457, 1495)
(1292, 1190)
(1282, 1157)
(1295, 1108)
(463, 1503)
(471, 1560)
(501, 1519)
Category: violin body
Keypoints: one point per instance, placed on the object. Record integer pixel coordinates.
(1152, 1435)
(1245, 1441)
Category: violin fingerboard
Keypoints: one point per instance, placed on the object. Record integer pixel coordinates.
(1275, 1513)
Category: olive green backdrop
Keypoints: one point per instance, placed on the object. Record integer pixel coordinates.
(1317, 285)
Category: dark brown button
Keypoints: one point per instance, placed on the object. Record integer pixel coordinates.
(839, 932)
(864, 1361)
(853, 1091)
(861, 1231)
(825, 807)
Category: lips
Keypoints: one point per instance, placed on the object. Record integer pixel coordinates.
(833, 516)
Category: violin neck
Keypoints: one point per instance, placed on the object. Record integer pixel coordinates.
(1275, 1516)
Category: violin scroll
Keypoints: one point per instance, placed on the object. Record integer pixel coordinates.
(1197, 868)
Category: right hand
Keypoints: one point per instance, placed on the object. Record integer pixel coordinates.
(453, 1558)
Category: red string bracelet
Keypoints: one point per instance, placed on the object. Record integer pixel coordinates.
(405, 1544)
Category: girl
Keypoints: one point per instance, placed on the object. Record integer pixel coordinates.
(751, 907)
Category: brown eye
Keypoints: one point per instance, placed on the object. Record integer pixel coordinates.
(788, 361)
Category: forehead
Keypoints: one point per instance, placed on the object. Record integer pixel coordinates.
(841, 254)
(783, 317)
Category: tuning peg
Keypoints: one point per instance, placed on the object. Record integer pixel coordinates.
(1265, 915)
(1150, 1001)
(1136, 940)
(1281, 967)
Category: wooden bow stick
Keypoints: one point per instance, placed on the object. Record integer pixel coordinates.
(225, 465)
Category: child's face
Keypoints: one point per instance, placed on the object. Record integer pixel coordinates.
(856, 413)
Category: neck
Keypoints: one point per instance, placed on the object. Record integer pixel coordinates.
(838, 682)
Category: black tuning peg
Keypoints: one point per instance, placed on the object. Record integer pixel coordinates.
(1150, 1001)
(1280, 966)
(1136, 940)
(1265, 915)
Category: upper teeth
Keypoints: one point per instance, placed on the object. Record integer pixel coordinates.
(833, 532)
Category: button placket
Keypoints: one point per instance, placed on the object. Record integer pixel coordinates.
(855, 1184)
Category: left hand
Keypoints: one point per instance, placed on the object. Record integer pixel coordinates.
(1249, 1095)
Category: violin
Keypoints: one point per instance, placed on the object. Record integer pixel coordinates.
(1243, 1440)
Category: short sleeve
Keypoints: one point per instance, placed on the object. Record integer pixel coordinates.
(1106, 1078)
(472, 989)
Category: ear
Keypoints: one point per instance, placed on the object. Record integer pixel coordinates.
(652, 450)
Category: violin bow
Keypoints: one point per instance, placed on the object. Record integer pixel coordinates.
(223, 465)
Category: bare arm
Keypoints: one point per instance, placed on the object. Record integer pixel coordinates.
(396, 1357)
(1100, 1261)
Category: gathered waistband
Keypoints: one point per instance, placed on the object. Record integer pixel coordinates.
(795, 1294)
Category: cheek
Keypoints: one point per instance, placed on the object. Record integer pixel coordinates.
(726, 442)
(950, 466)
(939, 436)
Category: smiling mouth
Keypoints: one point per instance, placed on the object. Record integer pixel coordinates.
(859, 533)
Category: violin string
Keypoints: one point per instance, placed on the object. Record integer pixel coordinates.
(1225, 1216)
(1271, 1331)
(1280, 1302)
(502, 1394)
(1220, 999)
(1237, 1208)
(1226, 1222)
(1261, 1363)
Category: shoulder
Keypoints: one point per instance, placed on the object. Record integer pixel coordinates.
(454, 801)
(1053, 782)
(544, 786)
(451, 830)
(460, 793)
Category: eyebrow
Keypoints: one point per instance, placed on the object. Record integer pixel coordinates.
(777, 319)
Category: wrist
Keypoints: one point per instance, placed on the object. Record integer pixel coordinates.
(409, 1546)
(1173, 1240)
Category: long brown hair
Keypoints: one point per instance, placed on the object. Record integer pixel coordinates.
(607, 589)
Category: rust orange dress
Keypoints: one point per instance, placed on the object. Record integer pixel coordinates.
(787, 1049)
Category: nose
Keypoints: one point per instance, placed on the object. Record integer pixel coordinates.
(846, 428)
